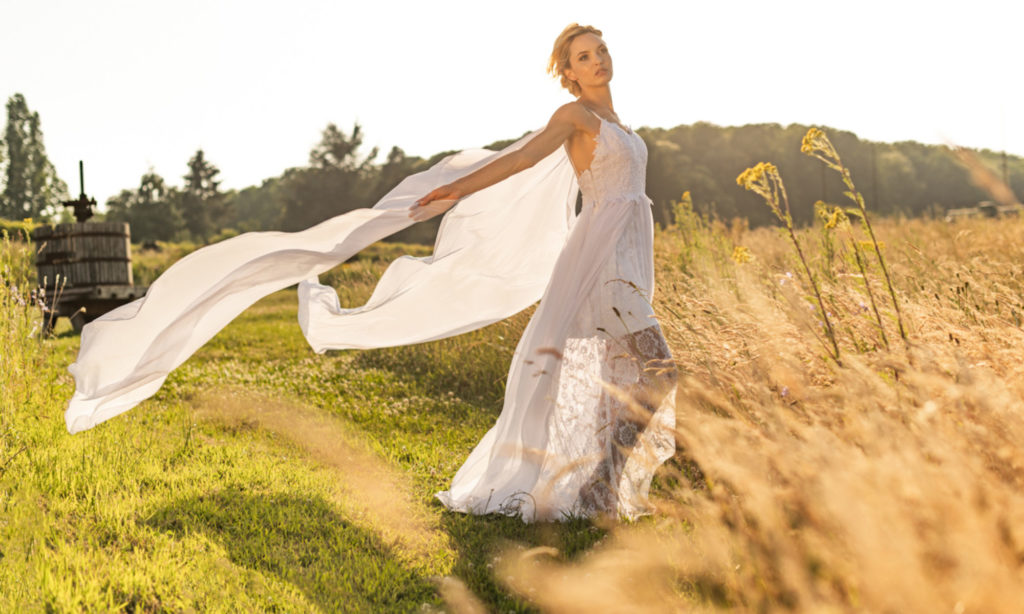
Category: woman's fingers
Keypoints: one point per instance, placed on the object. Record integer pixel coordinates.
(432, 196)
(427, 210)
(445, 192)
(436, 202)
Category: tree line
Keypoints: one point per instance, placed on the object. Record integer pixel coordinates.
(905, 178)
(339, 177)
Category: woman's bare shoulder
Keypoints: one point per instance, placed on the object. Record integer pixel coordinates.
(575, 114)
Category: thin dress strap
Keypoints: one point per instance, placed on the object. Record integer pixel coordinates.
(602, 119)
(592, 112)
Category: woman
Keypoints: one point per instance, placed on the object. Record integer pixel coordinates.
(588, 410)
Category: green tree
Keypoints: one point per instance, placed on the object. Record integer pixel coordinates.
(151, 210)
(338, 179)
(202, 203)
(119, 207)
(155, 215)
(31, 185)
(255, 207)
(397, 167)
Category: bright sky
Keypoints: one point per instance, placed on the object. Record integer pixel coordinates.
(127, 85)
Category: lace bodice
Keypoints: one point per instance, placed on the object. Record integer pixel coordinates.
(619, 167)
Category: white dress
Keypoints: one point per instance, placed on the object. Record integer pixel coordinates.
(566, 443)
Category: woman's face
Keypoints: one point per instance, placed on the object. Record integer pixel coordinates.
(590, 64)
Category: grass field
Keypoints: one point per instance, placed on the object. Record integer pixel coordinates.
(884, 477)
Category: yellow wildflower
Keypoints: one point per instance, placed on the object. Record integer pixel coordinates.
(812, 140)
(741, 255)
(756, 175)
(831, 216)
(833, 220)
(746, 178)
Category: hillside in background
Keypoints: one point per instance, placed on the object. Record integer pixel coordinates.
(906, 178)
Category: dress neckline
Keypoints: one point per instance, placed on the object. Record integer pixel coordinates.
(628, 131)
(597, 143)
(625, 129)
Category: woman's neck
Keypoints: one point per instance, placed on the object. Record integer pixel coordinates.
(598, 99)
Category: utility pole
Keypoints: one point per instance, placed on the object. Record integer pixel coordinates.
(1006, 171)
(874, 176)
(1006, 167)
(824, 192)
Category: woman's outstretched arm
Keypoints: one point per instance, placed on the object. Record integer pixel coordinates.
(565, 121)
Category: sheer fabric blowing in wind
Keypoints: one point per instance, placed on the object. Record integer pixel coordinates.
(493, 257)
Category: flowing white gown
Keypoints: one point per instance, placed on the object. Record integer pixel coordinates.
(589, 403)
(565, 443)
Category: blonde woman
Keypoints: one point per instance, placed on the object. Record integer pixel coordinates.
(589, 403)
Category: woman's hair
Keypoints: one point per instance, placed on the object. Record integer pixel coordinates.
(559, 61)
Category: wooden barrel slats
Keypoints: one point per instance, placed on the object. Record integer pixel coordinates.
(86, 254)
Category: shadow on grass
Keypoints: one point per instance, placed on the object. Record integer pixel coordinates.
(481, 540)
(474, 375)
(473, 365)
(302, 541)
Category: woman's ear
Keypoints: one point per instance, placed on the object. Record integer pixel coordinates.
(569, 74)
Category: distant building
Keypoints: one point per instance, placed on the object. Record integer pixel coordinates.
(985, 208)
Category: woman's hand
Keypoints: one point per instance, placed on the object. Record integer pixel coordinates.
(435, 203)
(445, 192)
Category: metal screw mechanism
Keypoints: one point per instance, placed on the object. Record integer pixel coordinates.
(84, 205)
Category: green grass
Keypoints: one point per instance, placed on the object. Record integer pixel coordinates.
(263, 477)
(168, 508)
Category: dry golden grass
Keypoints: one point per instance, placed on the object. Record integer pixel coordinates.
(888, 483)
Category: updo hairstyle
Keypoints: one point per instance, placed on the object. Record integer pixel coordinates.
(559, 61)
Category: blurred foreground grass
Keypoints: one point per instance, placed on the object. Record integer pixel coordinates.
(264, 477)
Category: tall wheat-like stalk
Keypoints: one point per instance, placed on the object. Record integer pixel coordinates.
(833, 219)
(816, 144)
(765, 181)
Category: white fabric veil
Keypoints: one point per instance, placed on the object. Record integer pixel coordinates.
(493, 257)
